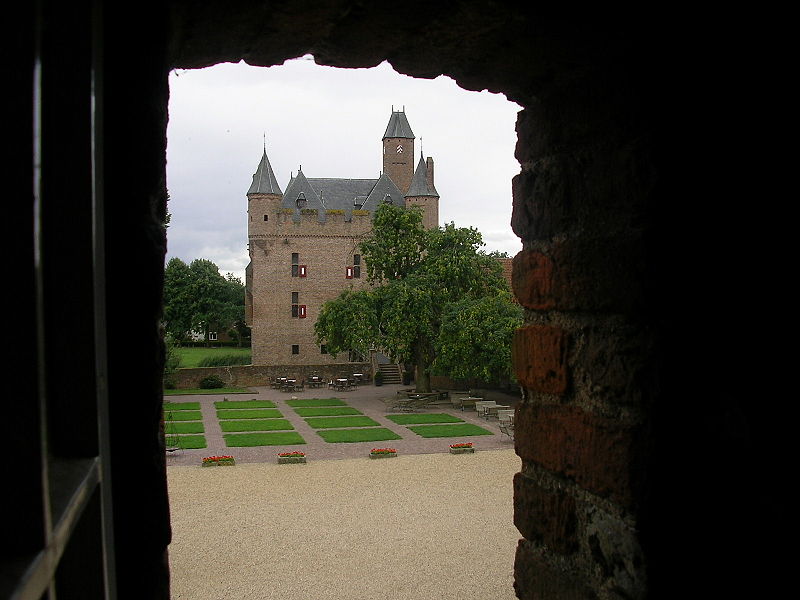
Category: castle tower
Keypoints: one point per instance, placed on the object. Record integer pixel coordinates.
(398, 150)
(423, 193)
(264, 198)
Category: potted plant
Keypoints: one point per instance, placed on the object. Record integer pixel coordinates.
(378, 378)
(219, 461)
(285, 458)
(462, 448)
(383, 453)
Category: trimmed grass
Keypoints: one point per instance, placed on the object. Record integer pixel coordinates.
(424, 418)
(432, 431)
(330, 422)
(198, 392)
(184, 427)
(316, 402)
(192, 357)
(183, 415)
(264, 413)
(240, 440)
(333, 411)
(181, 406)
(256, 425)
(244, 404)
(187, 442)
(347, 436)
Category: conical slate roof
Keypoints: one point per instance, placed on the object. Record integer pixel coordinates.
(398, 126)
(264, 181)
(419, 184)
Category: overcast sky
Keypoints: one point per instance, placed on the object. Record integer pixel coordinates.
(331, 122)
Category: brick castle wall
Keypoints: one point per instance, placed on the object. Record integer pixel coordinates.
(259, 375)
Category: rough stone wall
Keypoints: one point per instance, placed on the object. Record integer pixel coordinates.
(582, 428)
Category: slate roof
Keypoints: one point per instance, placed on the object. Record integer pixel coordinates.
(327, 193)
(419, 184)
(377, 196)
(398, 126)
(264, 181)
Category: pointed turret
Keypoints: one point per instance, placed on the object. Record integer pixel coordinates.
(264, 181)
(263, 198)
(422, 192)
(398, 150)
(422, 183)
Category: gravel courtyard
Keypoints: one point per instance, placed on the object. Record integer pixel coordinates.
(420, 526)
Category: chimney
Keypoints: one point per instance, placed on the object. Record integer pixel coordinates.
(429, 174)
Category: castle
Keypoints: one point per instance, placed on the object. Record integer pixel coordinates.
(303, 243)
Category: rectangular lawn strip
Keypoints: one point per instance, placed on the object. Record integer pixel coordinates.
(239, 440)
(244, 404)
(423, 418)
(330, 422)
(255, 413)
(374, 434)
(187, 442)
(316, 402)
(183, 415)
(181, 406)
(432, 431)
(333, 411)
(184, 427)
(256, 425)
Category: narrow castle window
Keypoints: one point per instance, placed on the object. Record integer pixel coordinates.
(295, 305)
(266, 217)
(295, 265)
(295, 349)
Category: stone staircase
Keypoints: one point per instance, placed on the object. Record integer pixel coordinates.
(391, 374)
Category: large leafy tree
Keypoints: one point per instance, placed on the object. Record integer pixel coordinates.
(417, 276)
(198, 298)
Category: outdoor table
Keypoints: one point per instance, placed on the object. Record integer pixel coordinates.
(491, 411)
(342, 384)
(469, 401)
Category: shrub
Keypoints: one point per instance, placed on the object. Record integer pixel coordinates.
(225, 360)
(212, 382)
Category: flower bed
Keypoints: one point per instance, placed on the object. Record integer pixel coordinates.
(463, 448)
(219, 461)
(383, 453)
(286, 458)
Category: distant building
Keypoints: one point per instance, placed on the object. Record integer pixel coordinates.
(303, 243)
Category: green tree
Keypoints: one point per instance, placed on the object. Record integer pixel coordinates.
(475, 338)
(198, 298)
(178, 315)
(416, 275)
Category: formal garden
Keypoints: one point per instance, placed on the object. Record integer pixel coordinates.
(248, 423)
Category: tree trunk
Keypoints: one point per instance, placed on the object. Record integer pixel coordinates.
(421, 375)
